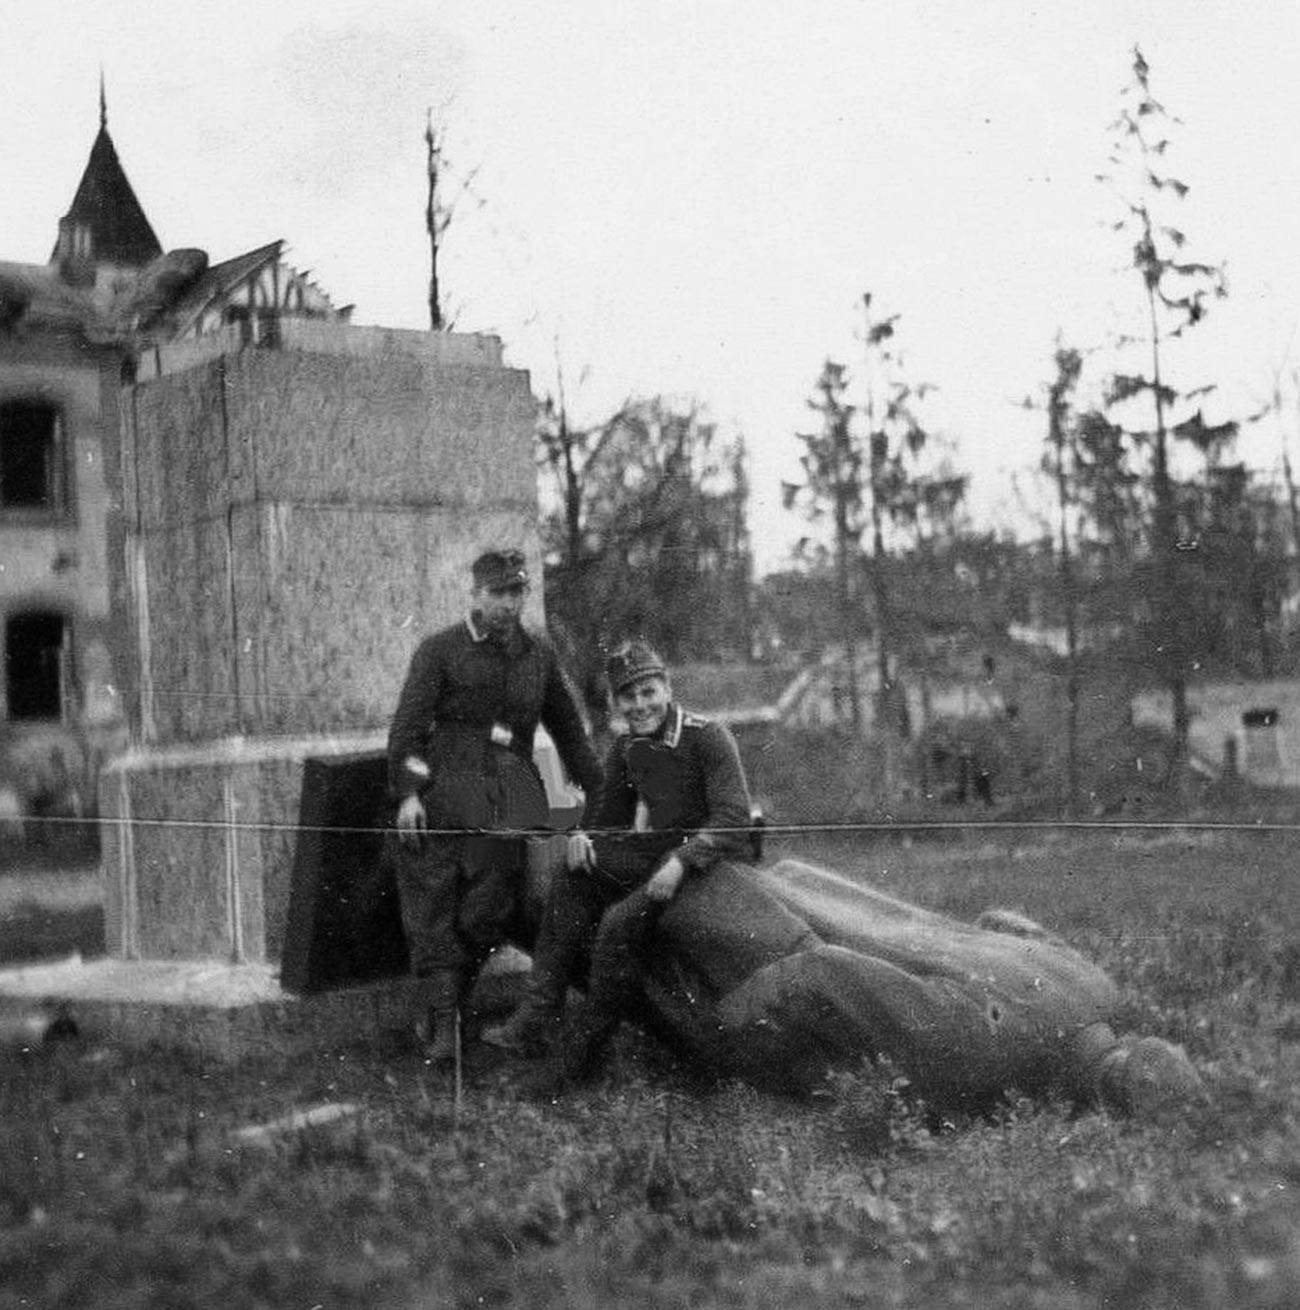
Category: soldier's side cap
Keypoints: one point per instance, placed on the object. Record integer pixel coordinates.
(633, 660)
(498, 569)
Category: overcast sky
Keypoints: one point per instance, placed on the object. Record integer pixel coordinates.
(691, 198)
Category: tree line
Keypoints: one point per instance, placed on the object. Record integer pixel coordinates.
(645, 531)
(1163, 549)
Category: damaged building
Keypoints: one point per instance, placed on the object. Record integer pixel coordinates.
(73, 332)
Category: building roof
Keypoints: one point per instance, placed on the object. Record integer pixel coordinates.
(106, 204)
(36, 294)
(258, 281)
(109, 280)
(218, 281)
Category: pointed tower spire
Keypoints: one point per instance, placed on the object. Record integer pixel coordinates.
(105, 223)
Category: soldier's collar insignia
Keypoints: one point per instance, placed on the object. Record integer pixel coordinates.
(673, 726)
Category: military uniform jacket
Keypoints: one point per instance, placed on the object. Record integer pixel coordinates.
(462, 734)
(681, 790)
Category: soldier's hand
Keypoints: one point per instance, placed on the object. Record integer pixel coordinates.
(579, 853)
(410, 820)
(666, 879)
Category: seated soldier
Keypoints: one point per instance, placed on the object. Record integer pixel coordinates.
(674, 803)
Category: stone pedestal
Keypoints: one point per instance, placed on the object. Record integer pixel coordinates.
(199, 844)
(298, 516)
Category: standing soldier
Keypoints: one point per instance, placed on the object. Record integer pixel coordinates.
(674, 805)
(460, 757)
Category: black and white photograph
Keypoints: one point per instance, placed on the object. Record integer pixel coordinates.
(651, 655)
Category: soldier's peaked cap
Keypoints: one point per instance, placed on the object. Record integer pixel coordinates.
(496, 569)
(633, 660)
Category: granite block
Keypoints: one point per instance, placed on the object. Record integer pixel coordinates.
(182, 461)
(297, 514)
(116, 862)
(271, 801)
(199, 846)
(332, 600)
(325, 336)
(191, 637)
(183, 908)
(388, 430)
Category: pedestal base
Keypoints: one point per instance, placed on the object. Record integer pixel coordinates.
(221, 1011)
(199, 842)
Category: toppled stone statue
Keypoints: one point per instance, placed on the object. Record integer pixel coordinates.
(780, 974)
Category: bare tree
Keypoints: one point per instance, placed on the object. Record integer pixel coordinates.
(438, 214)
(1061, 457)
(834, 464)
(904, 498)
(436, 218)
(1177, 292)
(648, 531)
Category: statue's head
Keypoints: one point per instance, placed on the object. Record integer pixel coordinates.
(1148, 1076)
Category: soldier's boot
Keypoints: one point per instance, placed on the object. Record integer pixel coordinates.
(578, 1057)
(443, 994)
(534, 1026)
(585, 1043)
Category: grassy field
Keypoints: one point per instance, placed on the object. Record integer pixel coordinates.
(123, 1182)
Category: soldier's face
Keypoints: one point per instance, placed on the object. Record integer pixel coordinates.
(499, 608)
(643, 704)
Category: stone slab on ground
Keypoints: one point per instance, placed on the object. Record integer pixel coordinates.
(344, 922)
(219, 1011)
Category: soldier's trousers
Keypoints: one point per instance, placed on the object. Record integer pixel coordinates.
(603, 917)
(460, 896)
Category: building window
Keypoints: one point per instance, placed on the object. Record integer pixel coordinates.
(32, 465)
(35, 657)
